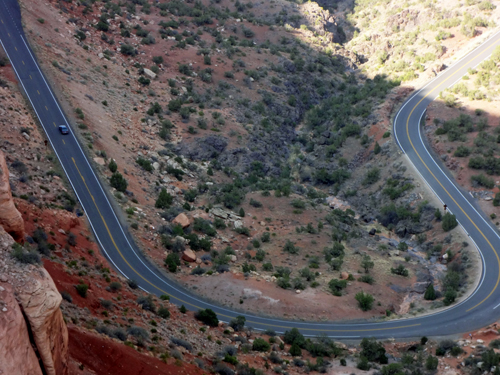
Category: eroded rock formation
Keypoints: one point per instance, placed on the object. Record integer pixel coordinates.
(10, 218)
(16, 353)
(39, 299)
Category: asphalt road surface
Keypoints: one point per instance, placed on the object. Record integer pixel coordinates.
(477, 311)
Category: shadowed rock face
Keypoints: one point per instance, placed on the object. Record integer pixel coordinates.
(10, 218)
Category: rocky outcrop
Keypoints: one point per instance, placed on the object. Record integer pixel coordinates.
(10, 218)
(39, 299)
(16, 353)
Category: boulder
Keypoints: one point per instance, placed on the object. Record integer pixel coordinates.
(182, 220)
(189, 255)
(100, 161)
(344, 275)
(149, 73)
(10, 218)
(16, 353)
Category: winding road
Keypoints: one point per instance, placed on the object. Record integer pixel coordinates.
(476, 311)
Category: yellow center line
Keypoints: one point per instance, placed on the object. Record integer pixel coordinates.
(38, 92)
(198, 307)
(15, 48)
(440, 184)
(31, 77)
(55, 124)
(8, 34)
(63, 141)
(46, 108)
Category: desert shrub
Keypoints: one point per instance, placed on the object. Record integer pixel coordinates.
(108, 305)
(172, 261)
(367, 279)
(163, 312)
(138, 332)
(365, 301)
(132, 284)
(204, 226)
(400, 270)
(336, 286)
(482, 180)
(238, 323)
(112, 166)
(290, 248)
(66, 296)
(118, 182)
(430, 293)
(373, 351)
(164, 199)
(208, 317)
(372, 176)
(147, 303)
(180, 342)
(81, 289)
(25, 256)
(462, 151)
(260, 345)
(449, 222)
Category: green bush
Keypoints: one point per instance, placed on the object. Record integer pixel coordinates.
(482, 180)
(207, 316)
(81, 289)
(112, 166)
(164, 199)
(290, 248)
(430, 293)
(260, 345)
(172, 261)
(337, 286)
(400, 270)
(373, 351)
(365, 301)
(164, 313)
(462, 151)
(145, 164)
(372, 176)
(118, 182)
(449, 222)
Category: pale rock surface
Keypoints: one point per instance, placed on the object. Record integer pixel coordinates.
(182, 220)
(10, 218)
(189, 255)
(16, 354)
(40, 300)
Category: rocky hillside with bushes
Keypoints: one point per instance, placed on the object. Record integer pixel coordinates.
(225, 129)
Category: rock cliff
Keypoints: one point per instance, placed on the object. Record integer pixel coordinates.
(16, 353)
(39, 299)
(10, 218)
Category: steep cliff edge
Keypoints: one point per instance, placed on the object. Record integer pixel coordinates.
(38, 298)
(10, 218)
(16, 353)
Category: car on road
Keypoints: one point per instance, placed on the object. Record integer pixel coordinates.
(63, 129)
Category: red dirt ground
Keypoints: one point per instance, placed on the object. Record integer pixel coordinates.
(95, 352)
